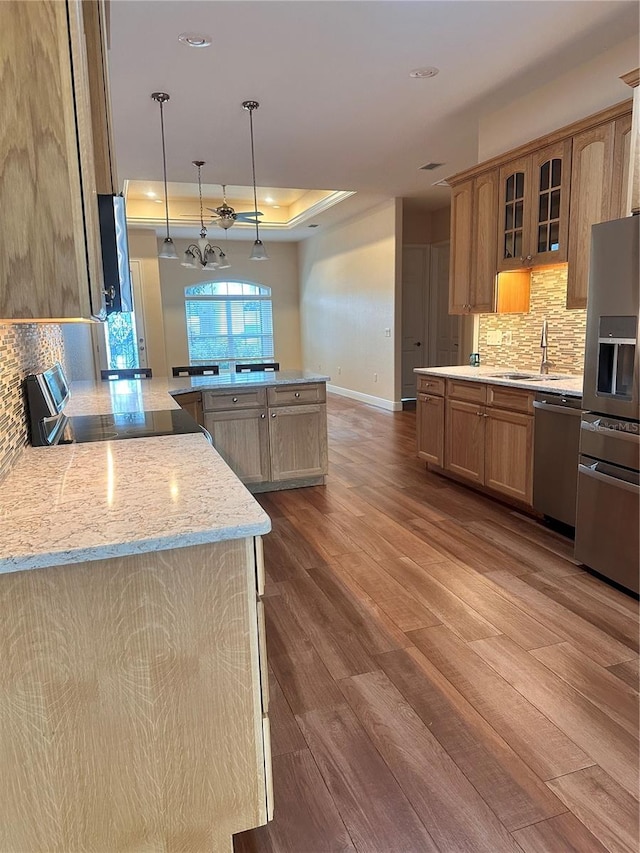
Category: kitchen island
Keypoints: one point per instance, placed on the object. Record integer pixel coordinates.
(476, 425)
(134, 698)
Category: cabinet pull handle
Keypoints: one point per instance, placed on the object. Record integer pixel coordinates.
(479, 414)
(234, 400)
(273, 414)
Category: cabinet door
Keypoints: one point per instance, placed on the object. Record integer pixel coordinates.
(461, 246)
(242, 439)
(298, 441)
(551, 178)
(191, 403)
(48, 248)
(464, 442)
(514, 213)
(591, 173)
(620, 200)
(430, 428)
(509, 453)
(483, 245)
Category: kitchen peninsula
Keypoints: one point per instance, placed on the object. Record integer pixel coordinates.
(269, 427)
(134, 701)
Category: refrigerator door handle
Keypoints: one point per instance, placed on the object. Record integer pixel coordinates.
(591, 471)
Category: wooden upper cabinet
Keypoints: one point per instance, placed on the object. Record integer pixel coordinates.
(473, 254)
(483, 257)
(95, 28)
(621, 201)
(534, 208)
(461, 245)
(50, 258)
(514, 210)
(591, 180)
(549, 219)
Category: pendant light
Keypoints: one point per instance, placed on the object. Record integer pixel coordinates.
(203, 253)
(258, 253)
(168, 249)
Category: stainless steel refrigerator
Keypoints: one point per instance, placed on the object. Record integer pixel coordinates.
(608, 506)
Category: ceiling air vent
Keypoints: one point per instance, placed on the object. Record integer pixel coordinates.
(312, 226)
(429, 167)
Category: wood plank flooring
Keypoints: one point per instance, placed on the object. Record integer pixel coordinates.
(444, 676)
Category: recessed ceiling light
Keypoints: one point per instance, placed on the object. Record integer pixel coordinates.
(158, 200)
(421, 73)
(150, 194)
(276, 207)
(194, 39)
(268, 199)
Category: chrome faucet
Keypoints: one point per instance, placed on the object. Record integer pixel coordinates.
(544, 364)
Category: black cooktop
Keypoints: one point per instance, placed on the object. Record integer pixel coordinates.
(84, 428)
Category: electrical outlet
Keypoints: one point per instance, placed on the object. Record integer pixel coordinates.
(507, 338)
(339, 371)
(375, 377)
(494, 338)
(387, 333)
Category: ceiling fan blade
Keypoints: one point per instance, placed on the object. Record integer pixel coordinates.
(248, 213)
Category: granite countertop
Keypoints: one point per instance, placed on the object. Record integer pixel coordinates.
(134, 395)
(552, 383)
(78, 502)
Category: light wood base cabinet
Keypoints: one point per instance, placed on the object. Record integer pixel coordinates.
(488, 437)
(430, 428)
(465, 440)
(133, 709)
(272, 438)
(192, 403)
(508, 461)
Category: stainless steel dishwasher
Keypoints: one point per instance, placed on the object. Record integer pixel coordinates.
(555, 456)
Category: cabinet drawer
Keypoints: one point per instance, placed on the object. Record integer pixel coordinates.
(292, 395)
(514, 399)
(247, 398)
(431, 385)
(474, 392)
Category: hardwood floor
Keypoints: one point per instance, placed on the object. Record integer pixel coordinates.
(444, 677)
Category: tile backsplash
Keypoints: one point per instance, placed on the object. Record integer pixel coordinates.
(566, 329)
(24, 348)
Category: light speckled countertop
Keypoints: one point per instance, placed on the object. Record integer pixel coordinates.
(125, 395)
(78, 502)
(553, 383)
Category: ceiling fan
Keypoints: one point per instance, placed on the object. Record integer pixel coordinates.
(225, 215)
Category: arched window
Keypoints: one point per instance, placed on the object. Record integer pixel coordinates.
(228, 321)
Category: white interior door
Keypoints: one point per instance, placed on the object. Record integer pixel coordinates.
(415, 301)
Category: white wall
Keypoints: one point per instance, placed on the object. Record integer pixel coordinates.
(143, 247)
(280, 273)
(349, 292)
(590, 87)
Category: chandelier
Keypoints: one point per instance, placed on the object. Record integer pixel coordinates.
(203, 253)
(258, 253)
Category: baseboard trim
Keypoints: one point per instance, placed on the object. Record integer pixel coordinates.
(380, 402)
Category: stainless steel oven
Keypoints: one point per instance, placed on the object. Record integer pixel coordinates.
(608, 506)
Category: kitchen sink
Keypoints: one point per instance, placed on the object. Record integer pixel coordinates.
(526, 377)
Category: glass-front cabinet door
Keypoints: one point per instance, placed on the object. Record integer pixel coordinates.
(534, 208)
(514, 208)
(551, 174)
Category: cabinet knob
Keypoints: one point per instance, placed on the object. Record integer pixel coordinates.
(273, 414)
(263, 416)
(297, 394)
(479, 414)
(426, 398)
(235, 400)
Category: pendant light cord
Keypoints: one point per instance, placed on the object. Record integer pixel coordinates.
(164, 165)
(253, 168)
(203, 230)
